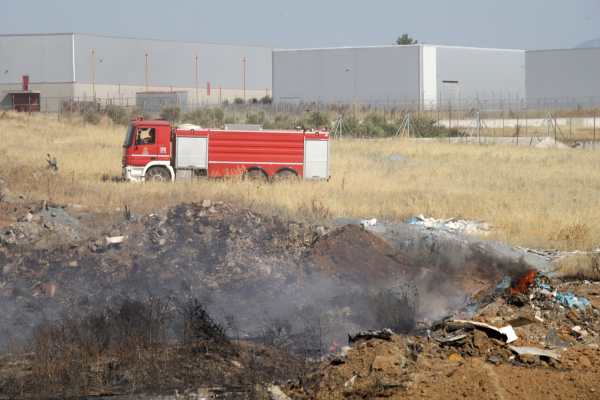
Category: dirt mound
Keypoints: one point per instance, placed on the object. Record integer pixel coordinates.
(356, 255)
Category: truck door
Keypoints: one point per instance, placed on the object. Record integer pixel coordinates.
(316, 159)
(145, 148)
(192, 152)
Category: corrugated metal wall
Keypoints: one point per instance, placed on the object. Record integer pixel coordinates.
(562, 74)
(394, 73)
(377, 74)
(68, 58)
(479, 72)
(122, 60)
(45, 58)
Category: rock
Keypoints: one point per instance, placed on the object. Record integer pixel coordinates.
(231, 228)
(188, 213)
(275, 393)
(162, 242)
(73, 264)
(578, 332)
(213, 285)
(236, 270)
(212, 210)
(573, 315)
(206, 203)
(202, 214)
(584, 362)
(321, 231)
(237, 363)
(6, 270)
(454, 357)
(383, 363)
(265, 271)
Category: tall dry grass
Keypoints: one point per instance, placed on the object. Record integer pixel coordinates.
(537, 198)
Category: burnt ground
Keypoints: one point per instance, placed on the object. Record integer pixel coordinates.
(279, 283)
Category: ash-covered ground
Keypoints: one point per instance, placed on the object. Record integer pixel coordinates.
(289, 288)
(268, 277)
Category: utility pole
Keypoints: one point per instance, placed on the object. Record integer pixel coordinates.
(196, 80)
(244, 79)
(146, 71)
(94, 76)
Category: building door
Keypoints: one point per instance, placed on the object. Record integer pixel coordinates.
(449, 94)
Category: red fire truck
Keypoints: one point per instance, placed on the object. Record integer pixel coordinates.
(153, 150)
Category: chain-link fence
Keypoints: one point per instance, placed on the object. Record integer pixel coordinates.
(504, 117)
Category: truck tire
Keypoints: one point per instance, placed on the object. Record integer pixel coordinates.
(286, 175)
(157, 174)
(255, 174)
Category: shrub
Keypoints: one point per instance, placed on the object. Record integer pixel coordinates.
(140, 112)
(283, 121)
(118, 114)
(171, 113)
(238, 100)
(316, 119)
(209, 118)
(226, 103)
(266, 100)
(92, 117)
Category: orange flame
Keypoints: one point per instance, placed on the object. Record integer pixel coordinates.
(522, 285)
(335, 346)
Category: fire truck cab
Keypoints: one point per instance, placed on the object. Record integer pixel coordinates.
(153, 150)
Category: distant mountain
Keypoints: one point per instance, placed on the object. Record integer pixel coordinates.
(589, 43)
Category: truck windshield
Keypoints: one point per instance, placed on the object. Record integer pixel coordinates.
(129, 137)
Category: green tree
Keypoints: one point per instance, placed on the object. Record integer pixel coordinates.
(238, 100)
(405, 39)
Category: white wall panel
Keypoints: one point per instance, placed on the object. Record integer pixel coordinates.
(561, 74)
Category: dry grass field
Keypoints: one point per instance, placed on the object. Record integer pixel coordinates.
(533, 197)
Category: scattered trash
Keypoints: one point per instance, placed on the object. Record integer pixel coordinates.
(385, 334)
(535, 352)
(463, 226)
(114, 240)
(49, 290)
(368, 222)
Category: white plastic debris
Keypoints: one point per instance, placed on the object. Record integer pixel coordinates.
(350, 381)
(508, 330)
(368, 222)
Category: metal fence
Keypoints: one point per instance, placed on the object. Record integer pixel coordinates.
(509, 114)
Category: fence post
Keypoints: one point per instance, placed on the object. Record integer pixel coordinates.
(449, 120)
(58, 110)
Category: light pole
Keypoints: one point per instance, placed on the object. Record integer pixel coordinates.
(146, 71)
(244, 79)
(94, 76)
(196, 80)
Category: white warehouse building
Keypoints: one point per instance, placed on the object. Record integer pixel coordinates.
(433, 77)
(45, 67)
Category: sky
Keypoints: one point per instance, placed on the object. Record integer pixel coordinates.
(506, 24)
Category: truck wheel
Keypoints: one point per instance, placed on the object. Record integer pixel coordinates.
(255, 174)
(286, 175)
(157, 174)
